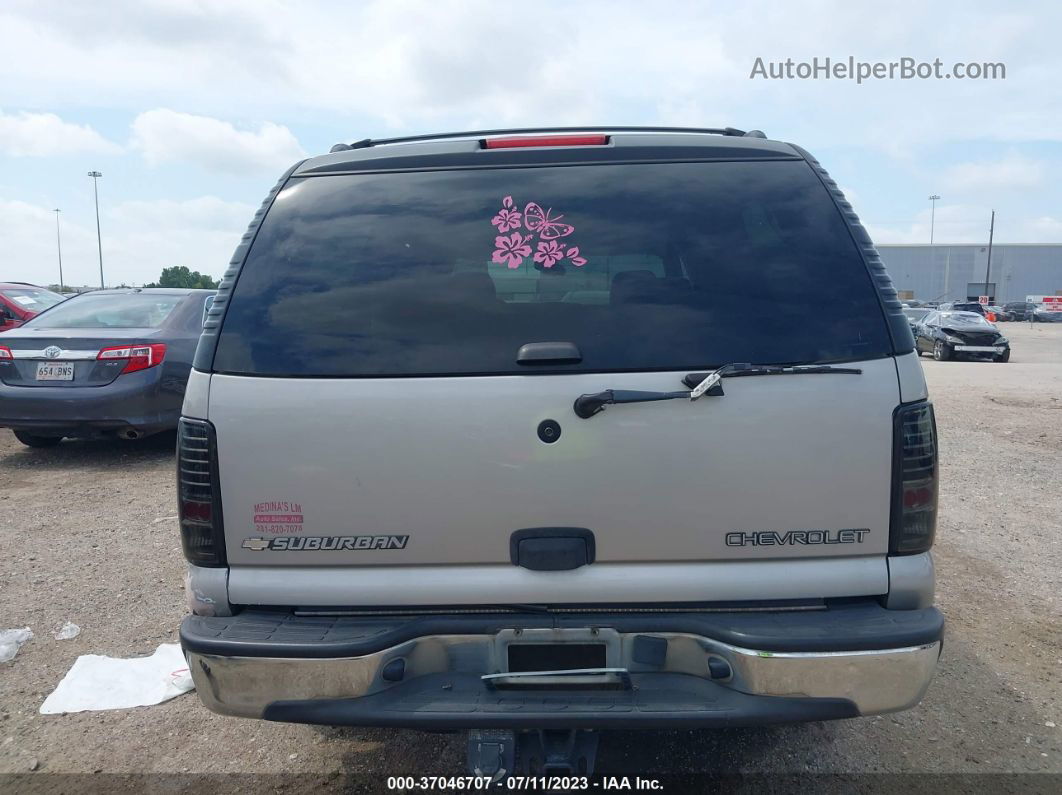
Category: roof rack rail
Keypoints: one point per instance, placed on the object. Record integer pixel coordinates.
(366, 142)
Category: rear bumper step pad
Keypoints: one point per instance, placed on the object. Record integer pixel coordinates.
(857, 626)
(448, 701)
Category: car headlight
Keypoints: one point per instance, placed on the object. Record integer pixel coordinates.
(953, 340)
(1002, 341)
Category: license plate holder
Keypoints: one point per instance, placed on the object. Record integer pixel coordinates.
(55, 371)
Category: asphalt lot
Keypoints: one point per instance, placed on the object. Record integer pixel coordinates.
(89, 535)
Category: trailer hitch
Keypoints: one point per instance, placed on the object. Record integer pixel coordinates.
(500, 753)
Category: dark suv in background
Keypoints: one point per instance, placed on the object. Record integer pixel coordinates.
(1019, 310)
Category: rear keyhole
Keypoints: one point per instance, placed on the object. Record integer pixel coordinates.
(549, 431)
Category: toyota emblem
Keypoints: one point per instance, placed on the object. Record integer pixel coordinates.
(53, 351)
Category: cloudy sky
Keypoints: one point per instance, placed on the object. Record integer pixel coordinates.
(191, 109)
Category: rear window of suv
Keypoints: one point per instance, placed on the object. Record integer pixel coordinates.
(643, 267)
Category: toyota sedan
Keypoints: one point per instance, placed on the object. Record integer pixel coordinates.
(105, 363)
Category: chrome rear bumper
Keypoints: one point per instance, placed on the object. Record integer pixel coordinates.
(423, 680)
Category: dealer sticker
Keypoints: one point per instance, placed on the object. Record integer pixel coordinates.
(278, 517)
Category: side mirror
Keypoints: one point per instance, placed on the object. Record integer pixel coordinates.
(209, 302)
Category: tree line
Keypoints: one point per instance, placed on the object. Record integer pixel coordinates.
(181, 276)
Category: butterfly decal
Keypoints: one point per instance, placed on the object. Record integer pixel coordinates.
(544, 223)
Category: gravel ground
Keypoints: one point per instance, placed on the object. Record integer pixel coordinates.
(89, 535)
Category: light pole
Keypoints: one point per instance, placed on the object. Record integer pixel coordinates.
(988, 265)
(99, 242)
(932, 224)
(59, 248)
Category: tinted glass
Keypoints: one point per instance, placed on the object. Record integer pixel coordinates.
(113, 310)
(964, 318)
(31, 299)
(643, 267)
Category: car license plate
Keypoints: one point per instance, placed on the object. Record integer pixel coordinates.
(55, 371)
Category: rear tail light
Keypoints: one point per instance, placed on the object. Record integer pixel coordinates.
(545, 140)
(914, 480)
(5, 352)
(198, 494)
(138, 357)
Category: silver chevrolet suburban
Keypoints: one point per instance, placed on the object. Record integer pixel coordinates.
(540, 432)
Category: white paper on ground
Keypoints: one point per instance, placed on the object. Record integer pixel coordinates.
(11, 641)
(95, 682)
(67, 631)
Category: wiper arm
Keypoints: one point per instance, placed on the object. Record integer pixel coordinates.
(587, 406)
(700, 384)
(745, 369)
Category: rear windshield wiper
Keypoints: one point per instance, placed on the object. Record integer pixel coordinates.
(699, 384)
(739, 370)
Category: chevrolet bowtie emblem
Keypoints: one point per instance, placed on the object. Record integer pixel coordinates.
(257, 544)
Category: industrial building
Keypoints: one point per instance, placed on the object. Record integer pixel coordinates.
(957, 272)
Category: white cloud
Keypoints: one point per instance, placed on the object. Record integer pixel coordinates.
(42, 134)
(380, 67)
(140, 238)
(955, 223)
(167, 135)
(1013, 172)
(967, 223)
(1044, 229)
(418, 64)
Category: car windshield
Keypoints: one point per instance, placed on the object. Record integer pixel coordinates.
(33, 299)
(110, 310)
(964, 318)
(641, 267)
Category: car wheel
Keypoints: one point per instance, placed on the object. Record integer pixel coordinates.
(1002, 357)
(32, 440)
(941, 352)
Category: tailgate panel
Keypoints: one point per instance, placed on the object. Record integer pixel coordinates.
(601, 583)
(441, 471)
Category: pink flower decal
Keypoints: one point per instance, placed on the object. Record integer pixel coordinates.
(543, 227)
(508, 216)
(511, 250)
(549, 252)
